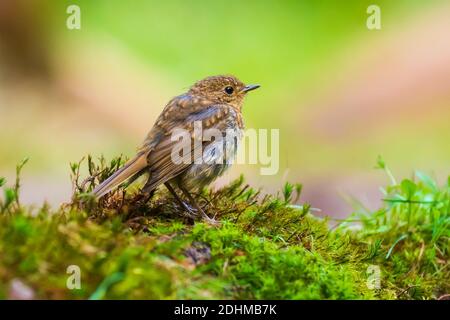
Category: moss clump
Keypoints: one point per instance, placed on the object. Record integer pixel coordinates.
(128, 246)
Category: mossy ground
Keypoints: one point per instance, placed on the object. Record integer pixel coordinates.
(265, 247)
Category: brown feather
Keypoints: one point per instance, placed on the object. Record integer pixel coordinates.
(131, 168)
(206, 101)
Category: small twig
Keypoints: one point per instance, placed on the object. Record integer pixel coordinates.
(405, 290)
(240, 192)
(89, 179)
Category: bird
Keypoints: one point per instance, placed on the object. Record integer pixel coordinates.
(214, 102)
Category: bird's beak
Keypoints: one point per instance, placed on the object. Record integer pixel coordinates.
(250, 87)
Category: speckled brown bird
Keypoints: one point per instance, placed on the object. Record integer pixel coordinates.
(216, 102)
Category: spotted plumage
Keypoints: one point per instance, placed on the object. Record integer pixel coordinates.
(216, 102)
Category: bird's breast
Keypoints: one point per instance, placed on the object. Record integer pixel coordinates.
(217, 157)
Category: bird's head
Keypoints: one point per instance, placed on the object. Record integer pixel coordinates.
(222, 89)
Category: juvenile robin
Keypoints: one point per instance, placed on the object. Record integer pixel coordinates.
(216, 103)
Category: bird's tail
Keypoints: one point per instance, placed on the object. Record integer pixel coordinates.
(131, 168)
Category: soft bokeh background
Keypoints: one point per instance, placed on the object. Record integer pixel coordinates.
(340, 94)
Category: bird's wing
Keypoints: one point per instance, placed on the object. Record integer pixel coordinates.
(180, 113)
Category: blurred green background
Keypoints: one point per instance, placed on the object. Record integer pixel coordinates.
(340, 94)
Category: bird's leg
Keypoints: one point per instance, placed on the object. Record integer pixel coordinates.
(195, 204)
(189, 211)
(148, 195)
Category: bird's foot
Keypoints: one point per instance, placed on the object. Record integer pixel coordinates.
(193, 213)
(208, 220)
(189, 212)
(211, 221)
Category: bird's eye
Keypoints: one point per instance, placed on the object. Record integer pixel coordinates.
(229, 90)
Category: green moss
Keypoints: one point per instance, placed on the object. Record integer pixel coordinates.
(264, 248)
